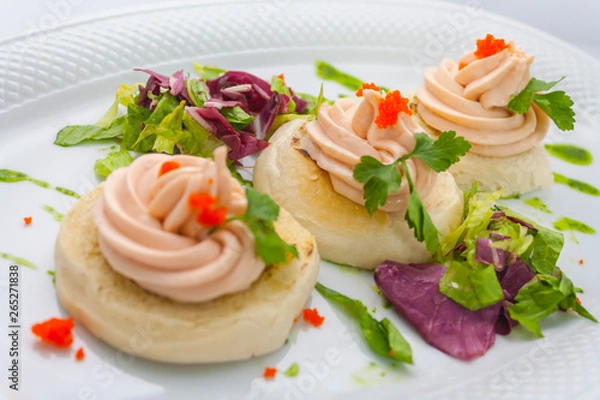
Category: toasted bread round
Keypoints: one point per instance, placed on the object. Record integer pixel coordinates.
(232, 327)
(518, 174)
(344, 230)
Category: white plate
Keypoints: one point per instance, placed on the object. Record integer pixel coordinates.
(68, 76)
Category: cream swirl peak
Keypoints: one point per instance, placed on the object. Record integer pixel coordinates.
(154, 220)
(471, 98)
(346, 131)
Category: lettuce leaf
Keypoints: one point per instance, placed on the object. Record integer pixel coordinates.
(103, 167)
(381, 336)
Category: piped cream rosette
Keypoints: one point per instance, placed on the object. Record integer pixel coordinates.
(471, 98)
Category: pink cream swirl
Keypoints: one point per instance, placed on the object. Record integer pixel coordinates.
(346, 131)
(473, 100)
(148, 232)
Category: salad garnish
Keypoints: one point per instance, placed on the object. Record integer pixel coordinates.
(179, 114)
(494, 238)
(382, 336)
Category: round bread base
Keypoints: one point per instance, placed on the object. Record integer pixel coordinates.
(518, 174)
(345, 232)
(233, 327)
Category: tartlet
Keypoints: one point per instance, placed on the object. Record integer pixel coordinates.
(307, 169)
(161, 308)
(471, 97)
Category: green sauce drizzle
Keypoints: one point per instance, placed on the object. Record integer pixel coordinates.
(19, 260)
(9, 176)
(538, 204)
(328, 72)
(67, 192)
(570, 153)
(576, 185)
(568, 224)
(57, 215)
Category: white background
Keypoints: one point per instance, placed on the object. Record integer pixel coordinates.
(575, 21)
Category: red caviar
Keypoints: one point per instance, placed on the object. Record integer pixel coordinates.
(461, 65)
(312, 316)
(364, 86)
(27, 220)
(489, 46)
(212, 217)
(80, 355)
(201, 201)
(282, 77)
(581, 262)
(389, 109)
(56, 331)
(208, 215)
(269, 373)
(168, 166)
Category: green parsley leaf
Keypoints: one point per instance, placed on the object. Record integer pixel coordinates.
(261, 213)
(237, 117)
(381, 180)
(381, 336)
(208, 72)
(113, 161)
(557, 105)
(292, 371)
(521, 102)
(418, 218)
(261, 206)
(439, 154)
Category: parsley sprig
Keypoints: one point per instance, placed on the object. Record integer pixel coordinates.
(381, 180)
(262, 212)
(557, 105)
